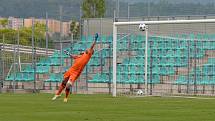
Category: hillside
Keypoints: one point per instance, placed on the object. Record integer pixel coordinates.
(71, 8)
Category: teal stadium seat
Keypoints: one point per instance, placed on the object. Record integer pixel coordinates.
(55, 61)
(96, 62)
(165, 70)
(209, 69)
(55, 77)
(133, 79)
(20, 77)
(96, 79)
(100, 78)
(182, 80)
(43, 62)
(124, 69)
(97, 55)
(56, 54)
(39, 69)
(126, 61)
(122, 46)
(211, 61)
(154, 79)
(140, 70)
(10, 77)
(42, 69)
(123, 78)
(63, 55)
(132, 70)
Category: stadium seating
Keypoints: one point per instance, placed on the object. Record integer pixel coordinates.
(100, 78)
(200, 75)
(20, 77)
(39, 69)
(165, 56)
(55, 77)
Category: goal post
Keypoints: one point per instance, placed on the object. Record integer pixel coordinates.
(148, 24)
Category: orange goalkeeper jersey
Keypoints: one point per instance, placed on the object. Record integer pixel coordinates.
(79, 63)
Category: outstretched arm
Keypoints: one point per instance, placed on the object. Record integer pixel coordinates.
(94, 42)
(93, 45)
(72, 56)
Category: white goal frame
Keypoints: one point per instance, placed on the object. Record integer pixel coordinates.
(147, 23)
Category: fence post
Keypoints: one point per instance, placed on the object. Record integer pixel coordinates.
(33, 55)
(1, 63)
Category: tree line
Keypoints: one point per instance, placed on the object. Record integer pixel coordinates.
(24, 34)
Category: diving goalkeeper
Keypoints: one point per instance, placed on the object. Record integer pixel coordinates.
(75, 70)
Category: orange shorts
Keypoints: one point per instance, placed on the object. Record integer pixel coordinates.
(72, 76)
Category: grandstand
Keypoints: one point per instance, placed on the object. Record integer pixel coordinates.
(179, 64)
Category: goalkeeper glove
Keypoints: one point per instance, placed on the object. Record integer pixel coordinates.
(96, 36)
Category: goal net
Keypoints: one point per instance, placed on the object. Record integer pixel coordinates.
(167, 57)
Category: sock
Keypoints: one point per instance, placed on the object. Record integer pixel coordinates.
(67, 92)
(61, 87)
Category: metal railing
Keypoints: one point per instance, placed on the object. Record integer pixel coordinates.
(26, 49)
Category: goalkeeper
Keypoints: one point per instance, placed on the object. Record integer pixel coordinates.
(75, 70)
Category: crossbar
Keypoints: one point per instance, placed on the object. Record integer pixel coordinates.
(165, 22)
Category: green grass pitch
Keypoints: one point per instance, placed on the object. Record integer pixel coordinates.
(39, 107)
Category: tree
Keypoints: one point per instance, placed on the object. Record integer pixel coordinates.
(25, 34)
(3, 22)
(74, 28)
(9, 35)
(93, 8)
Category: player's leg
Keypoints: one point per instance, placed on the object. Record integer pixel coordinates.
(67, 90)
(61, 87)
